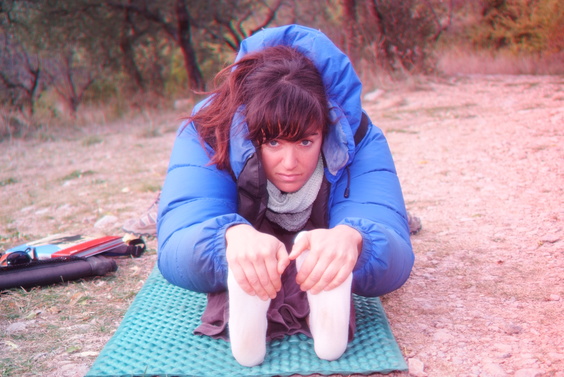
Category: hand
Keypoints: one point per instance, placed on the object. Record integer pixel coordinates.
(331, 258)
(256, 259)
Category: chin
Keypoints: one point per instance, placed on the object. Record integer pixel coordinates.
(289, 188)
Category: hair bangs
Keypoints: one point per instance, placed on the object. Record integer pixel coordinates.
(285, 112)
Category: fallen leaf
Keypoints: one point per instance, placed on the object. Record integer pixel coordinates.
(76, 298)
(11, 344)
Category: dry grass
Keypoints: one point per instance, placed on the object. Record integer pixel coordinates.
(64, 326)
(461, 61)
(66, 185)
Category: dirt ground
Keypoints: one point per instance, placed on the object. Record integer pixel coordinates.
(481, 161)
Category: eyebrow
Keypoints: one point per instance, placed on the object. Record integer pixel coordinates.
(312, 134)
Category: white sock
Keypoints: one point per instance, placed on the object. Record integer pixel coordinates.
(329, 316)
(247, 324)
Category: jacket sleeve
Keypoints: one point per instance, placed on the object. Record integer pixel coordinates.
(375, 207)
(197, 204)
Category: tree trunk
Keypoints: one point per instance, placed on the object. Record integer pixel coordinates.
(185, 42)
(383, 46)
(126, 47)
(352, 36)
(129, 64)
(36, 75)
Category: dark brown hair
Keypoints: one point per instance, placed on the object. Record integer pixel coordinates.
(279, 92)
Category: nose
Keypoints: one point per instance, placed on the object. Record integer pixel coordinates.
(289, 158)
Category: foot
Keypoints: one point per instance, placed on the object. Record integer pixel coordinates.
(414, 223)
(329, 317)
(247, 324)
(146, 225)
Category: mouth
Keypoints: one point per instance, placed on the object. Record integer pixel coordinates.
(288, 177)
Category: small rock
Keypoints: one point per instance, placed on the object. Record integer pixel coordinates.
(529, 372)
(18, 327)
(502, 347)
(555, 356)
(86, 354)
(42, 211)
(372, 96)
(105, 221)
(554, 297)
(442, 336)
(416, 368)
(73, 370)
(493, 370)
(512, 329)
(552, 238)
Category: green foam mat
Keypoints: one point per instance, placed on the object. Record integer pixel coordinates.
(156, 338)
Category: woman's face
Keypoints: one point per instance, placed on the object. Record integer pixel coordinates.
(289, 164)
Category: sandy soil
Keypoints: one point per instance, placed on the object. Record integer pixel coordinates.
(481, 160)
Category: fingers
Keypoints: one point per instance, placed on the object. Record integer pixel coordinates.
(321, 274)
(253, 282)
(283, 260)
(272, 278)
(328, 282)
(263, 278)
(318, 274)
(330, 259)
(301, 244)
(314, 272)
(241, 279)
(257, 261)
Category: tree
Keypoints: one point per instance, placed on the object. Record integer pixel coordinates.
(521, 26)
(129, 34)
(231, 21)
(69, 78)
(176, 23)
(20, 75)
(227, 22)
(440, 25)
(20, 68)
(352, 32)
(396, 33)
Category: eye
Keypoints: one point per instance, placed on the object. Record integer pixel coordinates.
(305, 142)
(272, 143)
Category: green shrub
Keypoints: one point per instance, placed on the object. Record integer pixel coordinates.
(520, 26)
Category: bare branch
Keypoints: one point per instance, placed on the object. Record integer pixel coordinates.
(8, 83)
(269, 17)
(437, 20)
(242, 19)
(233, 44)
(151, 16)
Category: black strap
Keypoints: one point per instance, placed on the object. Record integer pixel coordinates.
(362, 129)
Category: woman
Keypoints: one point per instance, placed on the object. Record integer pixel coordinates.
(282, 148)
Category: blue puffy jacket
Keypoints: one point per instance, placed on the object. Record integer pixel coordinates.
(199, 202)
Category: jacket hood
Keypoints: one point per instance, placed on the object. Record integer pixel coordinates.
(342, 85)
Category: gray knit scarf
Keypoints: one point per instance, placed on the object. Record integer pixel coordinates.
(292, 210)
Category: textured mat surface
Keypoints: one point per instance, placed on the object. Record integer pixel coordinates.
(155, 339)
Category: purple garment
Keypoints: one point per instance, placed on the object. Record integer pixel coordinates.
(286, 315)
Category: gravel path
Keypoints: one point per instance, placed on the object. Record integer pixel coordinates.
(481, 161)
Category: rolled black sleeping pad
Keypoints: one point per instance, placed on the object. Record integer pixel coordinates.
(56, 270)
